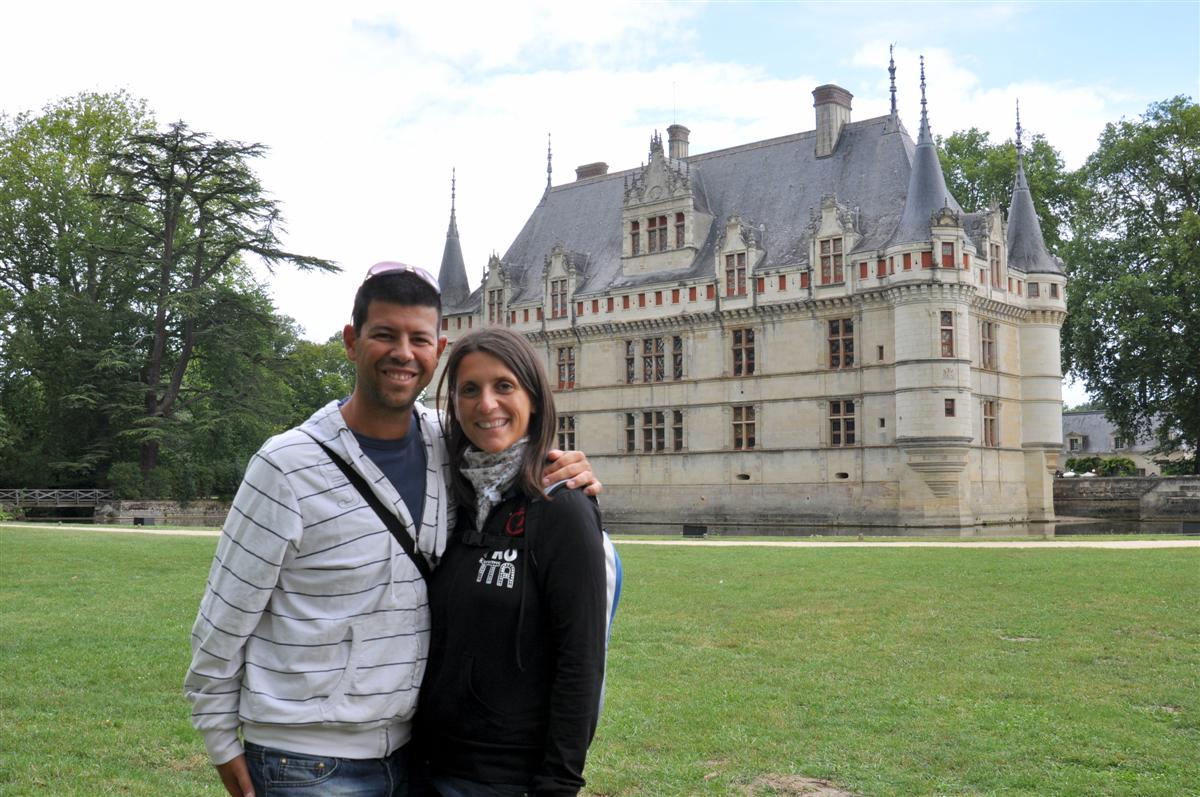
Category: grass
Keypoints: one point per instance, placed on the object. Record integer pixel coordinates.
(887, 671)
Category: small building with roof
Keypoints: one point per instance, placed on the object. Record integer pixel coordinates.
(807, 330)
(1089, 433)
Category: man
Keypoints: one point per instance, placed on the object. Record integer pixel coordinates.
(313, 632)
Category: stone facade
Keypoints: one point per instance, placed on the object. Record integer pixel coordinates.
(158, 513)
(1130, 498)
(801, 331)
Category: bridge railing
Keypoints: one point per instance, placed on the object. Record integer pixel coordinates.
(33, 497)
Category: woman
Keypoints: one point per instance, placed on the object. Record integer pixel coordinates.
(519, 602)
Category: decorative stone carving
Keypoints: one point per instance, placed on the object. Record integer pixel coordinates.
(658, 180)
(939, 465)
(945, 217)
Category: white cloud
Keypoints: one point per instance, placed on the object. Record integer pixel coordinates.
(1071, 116)
(367, 105)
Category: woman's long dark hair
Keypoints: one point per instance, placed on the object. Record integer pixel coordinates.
(519, 357)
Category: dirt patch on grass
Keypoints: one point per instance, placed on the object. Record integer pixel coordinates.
(794, 786)
(192, 763)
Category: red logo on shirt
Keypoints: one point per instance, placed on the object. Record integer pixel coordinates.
(515, 525)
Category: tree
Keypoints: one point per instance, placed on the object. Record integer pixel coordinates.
(1134, 295)
(198, 209)
(101, 309)
(64, 302)
(980, 174)
(318, 373)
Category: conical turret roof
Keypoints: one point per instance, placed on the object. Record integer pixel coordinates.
(452, 276)
(927, 192)
(1026, 246)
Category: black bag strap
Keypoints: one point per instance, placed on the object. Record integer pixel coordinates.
(389, 519)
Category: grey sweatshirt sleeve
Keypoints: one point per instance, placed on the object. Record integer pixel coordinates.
(263, 522)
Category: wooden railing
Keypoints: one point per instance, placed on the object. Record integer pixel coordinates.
(27, 497)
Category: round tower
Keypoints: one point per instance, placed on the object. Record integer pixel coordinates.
(1040, 341)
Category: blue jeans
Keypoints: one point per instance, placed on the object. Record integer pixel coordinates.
(451, 786)
(278, 773)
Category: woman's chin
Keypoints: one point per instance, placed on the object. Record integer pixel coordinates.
(489, 445)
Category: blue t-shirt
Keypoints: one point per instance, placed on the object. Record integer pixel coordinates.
(403, 462)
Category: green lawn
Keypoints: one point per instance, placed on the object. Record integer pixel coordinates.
(888, 671)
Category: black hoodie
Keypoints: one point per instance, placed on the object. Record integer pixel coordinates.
(511, 694)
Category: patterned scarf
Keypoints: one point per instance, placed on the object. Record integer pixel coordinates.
(491, 475)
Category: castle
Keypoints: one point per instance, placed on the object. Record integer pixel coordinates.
(807, 330)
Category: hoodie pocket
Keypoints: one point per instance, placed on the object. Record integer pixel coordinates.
(378, 681)
(504, 696)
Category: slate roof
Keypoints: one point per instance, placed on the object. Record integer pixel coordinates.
(927, 192)
(773, 185)
(1098, 433)
(891, 185)
(1026, 246)
(452, 276)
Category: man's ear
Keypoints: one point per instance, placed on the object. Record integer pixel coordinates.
(349, 339)
(442, 341)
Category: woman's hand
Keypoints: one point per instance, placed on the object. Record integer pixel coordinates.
(574, 467)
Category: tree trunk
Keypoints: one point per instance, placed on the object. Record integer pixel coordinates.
(148, 458)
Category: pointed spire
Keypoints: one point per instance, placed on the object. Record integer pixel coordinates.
(549, 164)
(927, 192)
(1020, 150)
(892, 74)
(924, 137)
(1026, 245)
(1020, 180)
(452, 275)
(453, 230)
(655, 144)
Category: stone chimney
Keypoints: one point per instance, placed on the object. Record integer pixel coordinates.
(833, 113)
(677, 139)
(590, 170)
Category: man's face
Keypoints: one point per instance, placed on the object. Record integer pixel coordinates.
(395, 354)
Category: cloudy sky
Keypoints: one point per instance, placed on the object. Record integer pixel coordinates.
(367, 105)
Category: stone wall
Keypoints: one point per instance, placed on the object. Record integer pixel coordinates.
(158, 513)
(1133, 498)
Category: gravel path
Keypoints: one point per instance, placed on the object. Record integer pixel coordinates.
(1051, 543)
(722, 543)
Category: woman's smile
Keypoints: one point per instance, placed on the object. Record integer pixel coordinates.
(492, 406)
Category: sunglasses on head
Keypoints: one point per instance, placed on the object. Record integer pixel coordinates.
(390, 267)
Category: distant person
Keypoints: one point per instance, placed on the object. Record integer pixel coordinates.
(312, 634)
(522, 599)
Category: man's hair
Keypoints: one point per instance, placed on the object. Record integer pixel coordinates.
(400, 287)
(518, 356)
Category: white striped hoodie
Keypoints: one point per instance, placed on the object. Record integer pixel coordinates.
(313, 631)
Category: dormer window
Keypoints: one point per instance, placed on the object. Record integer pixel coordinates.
(831, 261)
(558, 298)
(656, 234)
(735, 274)
(635, 238)
(678, 230)
(994, 263)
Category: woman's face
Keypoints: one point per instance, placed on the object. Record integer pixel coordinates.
(490, 403)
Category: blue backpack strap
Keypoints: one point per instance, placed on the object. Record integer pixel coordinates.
(615, 574)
